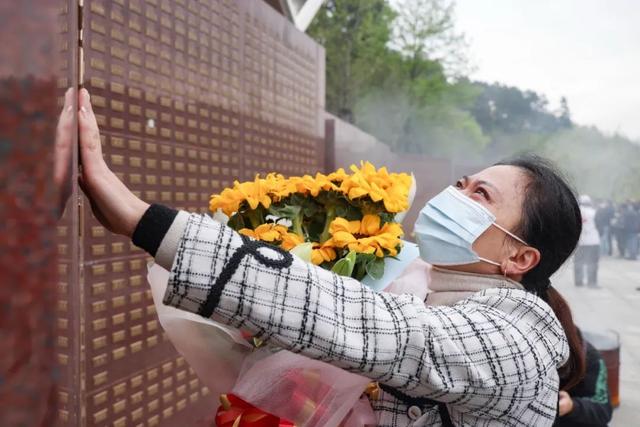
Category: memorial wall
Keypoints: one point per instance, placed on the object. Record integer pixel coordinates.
(190, 96)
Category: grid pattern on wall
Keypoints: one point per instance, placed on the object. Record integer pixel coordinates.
(190, 96)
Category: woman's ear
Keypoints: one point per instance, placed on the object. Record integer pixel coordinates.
(524, 260)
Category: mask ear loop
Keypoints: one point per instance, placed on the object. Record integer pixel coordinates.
(498, 226)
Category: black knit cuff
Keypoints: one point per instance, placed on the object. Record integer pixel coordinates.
(152, 228)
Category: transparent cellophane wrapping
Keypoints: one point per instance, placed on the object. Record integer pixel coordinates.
(304, 391)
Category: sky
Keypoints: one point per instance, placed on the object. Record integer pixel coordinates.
(586, 50)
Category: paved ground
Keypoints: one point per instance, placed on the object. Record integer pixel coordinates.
(616, 305)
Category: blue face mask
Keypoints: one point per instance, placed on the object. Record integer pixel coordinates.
(448, 226)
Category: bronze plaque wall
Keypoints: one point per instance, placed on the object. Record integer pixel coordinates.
(190, 95)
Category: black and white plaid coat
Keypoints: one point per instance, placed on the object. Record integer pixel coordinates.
(492, 358)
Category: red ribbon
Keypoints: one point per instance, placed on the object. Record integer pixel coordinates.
(235, 412)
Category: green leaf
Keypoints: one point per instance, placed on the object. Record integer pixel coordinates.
(375, 268)
(285, 211)
(303, 251)
(344, 266)
(236, 222)
(366, 257)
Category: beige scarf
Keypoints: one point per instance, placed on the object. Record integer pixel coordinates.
(437, 286)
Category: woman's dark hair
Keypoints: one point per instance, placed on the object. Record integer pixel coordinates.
(552, 223)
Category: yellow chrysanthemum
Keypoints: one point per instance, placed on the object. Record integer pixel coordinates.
(290, 241)
(338, 176)
(322, 253)
(266, 232)
(342, 239)
(255, 192)
(228, 201)
(379, 185)
(396, 199)
(308, 184)
(366, 236)
(279, 186)
(369, 225)
(341, 224)
(325, 182)
(260, 191)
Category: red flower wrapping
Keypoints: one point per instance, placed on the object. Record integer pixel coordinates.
(235, 412)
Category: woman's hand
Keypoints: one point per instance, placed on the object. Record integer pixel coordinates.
(117, 208)
(63, 151)
(565, 404)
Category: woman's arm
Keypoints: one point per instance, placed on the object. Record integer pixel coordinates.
(483, 351)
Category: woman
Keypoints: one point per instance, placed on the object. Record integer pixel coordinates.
(494, 357)
(587, 254)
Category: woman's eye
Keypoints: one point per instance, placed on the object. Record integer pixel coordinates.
(483, 193)
(459, 184)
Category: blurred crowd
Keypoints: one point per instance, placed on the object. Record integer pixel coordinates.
(618, 226)
(608, 228)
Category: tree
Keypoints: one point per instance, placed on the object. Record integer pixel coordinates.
(508, 109)
(355, 34)
(564, 115)
(417, 108)
(393, 89)
(425, 30)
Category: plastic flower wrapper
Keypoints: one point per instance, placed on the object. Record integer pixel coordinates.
(263, 387)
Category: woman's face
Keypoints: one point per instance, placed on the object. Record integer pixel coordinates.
(500, 189)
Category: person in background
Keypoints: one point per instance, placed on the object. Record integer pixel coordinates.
(617, 230)
(588, 252)
(636, 206)
(588, 403)
(631, 227)
(604, 215)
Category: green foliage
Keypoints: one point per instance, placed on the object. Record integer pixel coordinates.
(425, 29)
(509, 110)
(303, 251)
(382, 63)
(344, 266)
(375, 268)
(355, 34)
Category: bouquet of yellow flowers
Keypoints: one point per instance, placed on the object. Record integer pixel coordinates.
(344, 222)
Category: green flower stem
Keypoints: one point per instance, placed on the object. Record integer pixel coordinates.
(296, 223)
(360, 271)
(331, 215)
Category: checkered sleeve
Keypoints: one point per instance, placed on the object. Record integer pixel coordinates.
(486, 355)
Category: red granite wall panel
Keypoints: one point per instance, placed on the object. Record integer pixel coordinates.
(189, 96)
(36, 65)
(68, 352)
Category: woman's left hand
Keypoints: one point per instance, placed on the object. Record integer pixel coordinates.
(565, 404)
